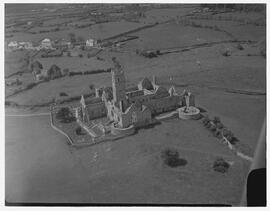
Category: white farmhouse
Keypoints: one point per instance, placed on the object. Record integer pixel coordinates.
(90, 43)
(25, 45)
(13, 45)
(46, 43)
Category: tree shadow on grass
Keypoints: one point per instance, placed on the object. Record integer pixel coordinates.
(152, 125)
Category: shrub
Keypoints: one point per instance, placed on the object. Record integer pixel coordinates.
(63, 94)
(206, 120)
(78, 130)
(208, 125)
(217, 134)
(219, 125)
(213, 128)
(31, 85)
(91, 86)
(171, 158)
(220, 165)
(216, 120)
(75, 73)
(239, 47)
(234, 140)
(226, 52)
(228, 135)
(99, 58)
(65, 71)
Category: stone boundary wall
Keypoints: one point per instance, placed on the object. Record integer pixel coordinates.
(129, 32)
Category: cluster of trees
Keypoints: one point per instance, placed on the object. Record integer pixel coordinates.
(79, 131)
(73, 39)
(89, 72)
(148, 54)
(218, 129)
(53, 72)
(64, 115)
(52, 30)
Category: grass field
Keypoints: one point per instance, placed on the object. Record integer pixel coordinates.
(74, 64)
(166, 14)
(73, 86)
(175, 35)
(98, 31)
(238, 30)
(96, 174)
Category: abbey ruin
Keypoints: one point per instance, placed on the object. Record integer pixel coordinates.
(127, 110)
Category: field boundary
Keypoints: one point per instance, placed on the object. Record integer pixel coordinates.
(57, 129)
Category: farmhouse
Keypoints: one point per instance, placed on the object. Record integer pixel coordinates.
(25, 45)
(46, 43)
(90, 43)
(134, 108)
(13, 45)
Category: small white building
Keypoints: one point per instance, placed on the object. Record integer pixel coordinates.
(90, 43)
(40, 77)
(25, 45)
(46, 43)
(13, 45)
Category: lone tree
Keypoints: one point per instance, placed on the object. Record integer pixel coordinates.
(36, 67)
(64, 115)
(54, 72)
(91, 86)
(72, 38)
(78, 130)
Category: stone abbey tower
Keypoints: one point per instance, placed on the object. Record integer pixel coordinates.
(119, 87)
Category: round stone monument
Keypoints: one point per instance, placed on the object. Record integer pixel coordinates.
(189, 112)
